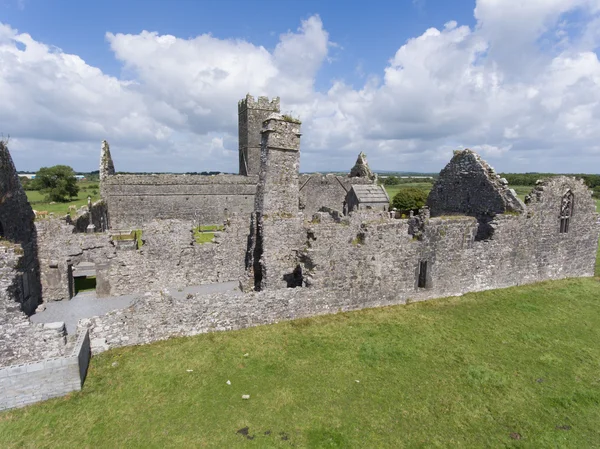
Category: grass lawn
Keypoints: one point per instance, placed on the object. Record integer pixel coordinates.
(38, 202)
(205, 234)
(513, 367)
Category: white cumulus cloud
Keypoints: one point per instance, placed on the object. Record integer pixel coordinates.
(522, 87)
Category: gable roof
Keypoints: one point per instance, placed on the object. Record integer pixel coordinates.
(370, 193)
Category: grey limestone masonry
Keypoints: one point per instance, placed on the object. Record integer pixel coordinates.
(168, 257)
(27, 383)
(21, 340)
(134, 200)
(16, 226)
(361, 168)
(277, 223)
(251, 115)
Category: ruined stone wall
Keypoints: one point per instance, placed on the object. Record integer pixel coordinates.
(61, 247)
(134, 200)
(99, 217)
(16, 225)
(383, 255)
(20, 340)
(318, 190)
(27, 383)
(469, 186)
(169, 257)
(370, 260)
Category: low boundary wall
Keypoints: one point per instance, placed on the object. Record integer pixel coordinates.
(24, 384)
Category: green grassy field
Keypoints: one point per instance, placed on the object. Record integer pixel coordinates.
(38, 202)
(513, 367)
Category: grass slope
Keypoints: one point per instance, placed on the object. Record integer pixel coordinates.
(458, 372)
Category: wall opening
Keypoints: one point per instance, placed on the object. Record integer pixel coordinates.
(258, 252)
(70, 279)
(294, 279)
(85, 284)
(422, 278)
(1, 230)
(566, 211)
(485, 229)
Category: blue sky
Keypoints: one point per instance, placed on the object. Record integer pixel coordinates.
(369, 32)
(406, 81)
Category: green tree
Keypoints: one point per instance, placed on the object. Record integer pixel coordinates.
(409, 198)
(391, 181)
(58, 183)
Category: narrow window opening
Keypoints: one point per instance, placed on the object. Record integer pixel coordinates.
(566, 211)
(258, 252)
(422, 282)
(1, 231)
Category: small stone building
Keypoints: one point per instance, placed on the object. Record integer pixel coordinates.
(367, 197)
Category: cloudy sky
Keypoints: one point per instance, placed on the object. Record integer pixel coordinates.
(407, 81)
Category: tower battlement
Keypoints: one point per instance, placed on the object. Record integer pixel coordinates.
(263, 103)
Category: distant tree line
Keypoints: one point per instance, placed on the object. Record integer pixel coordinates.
(529, 179)
(396, 180)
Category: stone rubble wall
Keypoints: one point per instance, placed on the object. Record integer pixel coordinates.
(469, 186)
(382, 255)
(17, 226)
(160, 316)
(82, 220)
(370, 260)
(171, 258)
(20, 340)
(135, 200)
(168, 257)
(32, 382)
(60, 246)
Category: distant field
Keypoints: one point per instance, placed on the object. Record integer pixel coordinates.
(522, 191)
(392, 190)
(37, 201)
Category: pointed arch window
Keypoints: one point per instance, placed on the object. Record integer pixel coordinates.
(566, 211)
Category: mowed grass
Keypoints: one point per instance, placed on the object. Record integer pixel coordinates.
(86, 188)
(513, 367)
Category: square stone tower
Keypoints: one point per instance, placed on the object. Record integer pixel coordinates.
(251, 115)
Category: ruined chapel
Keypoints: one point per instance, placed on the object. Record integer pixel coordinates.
(293, 244)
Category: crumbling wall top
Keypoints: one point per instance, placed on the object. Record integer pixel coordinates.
(468, 185)
(107, 167)
(285, 132)
(361, 169)
(262, 103)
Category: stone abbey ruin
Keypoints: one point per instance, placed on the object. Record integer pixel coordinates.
(295, 245)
